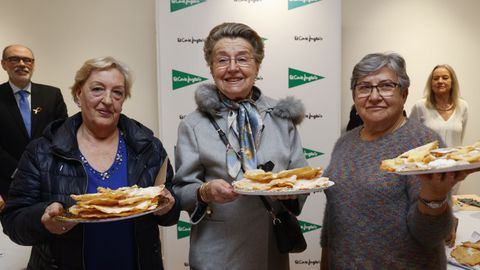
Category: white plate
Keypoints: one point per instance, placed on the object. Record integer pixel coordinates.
(66, 218)
(441, 170)
(284, 192)
(457, 265)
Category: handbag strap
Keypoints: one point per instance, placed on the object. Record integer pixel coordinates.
(267, 205)
(224, 139)
(223, 136)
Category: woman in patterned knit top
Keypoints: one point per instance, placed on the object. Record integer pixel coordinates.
(378, 220)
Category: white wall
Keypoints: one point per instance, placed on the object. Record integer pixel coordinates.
(65, 33)
(425, 33)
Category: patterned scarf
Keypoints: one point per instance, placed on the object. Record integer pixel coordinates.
(244, 124)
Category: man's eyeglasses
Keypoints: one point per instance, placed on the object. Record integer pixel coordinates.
(17, 59)
(243, 61)
(385, 89)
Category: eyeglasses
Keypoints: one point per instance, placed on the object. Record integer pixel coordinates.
(385, 89)
(17, 59)
(243, 61)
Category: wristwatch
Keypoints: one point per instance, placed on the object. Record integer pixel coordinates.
(433, 204)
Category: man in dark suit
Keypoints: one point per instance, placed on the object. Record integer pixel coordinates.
(43, 105)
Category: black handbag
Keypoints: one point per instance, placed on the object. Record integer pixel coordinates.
(286, 228)
(287, 231)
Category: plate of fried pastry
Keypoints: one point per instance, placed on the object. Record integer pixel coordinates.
(113, 205)
(467, 254)
(287, 182)
(429, 158)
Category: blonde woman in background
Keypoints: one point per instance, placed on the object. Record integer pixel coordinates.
(442, 109)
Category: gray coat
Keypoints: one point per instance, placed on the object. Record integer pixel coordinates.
(235, 235)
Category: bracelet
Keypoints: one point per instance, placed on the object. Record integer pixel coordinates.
(199, 197)
(433, 204)
(203, 192)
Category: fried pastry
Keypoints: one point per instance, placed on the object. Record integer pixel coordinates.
(300, 179)
(301, 173)
(472, 245)
(107, 203)
(259, 175)
(429, 156)
(466, 255)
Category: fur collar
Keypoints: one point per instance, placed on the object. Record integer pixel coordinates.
(208, 102)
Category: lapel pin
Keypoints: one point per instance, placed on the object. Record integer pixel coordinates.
(37, 110)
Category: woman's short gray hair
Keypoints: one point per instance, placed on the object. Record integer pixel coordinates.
(101, 63)
(375, 61)
(233, 30)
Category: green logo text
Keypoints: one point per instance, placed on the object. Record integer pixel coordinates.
(309, 153)
(308, 227)
(183, 229)
(181, 4)
(297, 77)
(181, 79)
(299, 3)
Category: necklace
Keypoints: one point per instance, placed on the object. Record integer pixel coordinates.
(116, 162)
(446, 109)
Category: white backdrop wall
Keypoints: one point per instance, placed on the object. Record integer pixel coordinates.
(306, 38)
(425, 33)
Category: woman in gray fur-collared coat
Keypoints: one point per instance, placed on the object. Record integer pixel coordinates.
(232, 231)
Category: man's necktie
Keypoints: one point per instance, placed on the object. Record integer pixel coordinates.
(25, 110)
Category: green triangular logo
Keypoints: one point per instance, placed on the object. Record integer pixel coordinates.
(308, 227)
(183, 229)
(309, 153)
(182, 79)
(297, 77)
(181, 4)
(299, 3)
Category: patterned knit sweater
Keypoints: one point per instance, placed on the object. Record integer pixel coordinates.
(371, 219)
